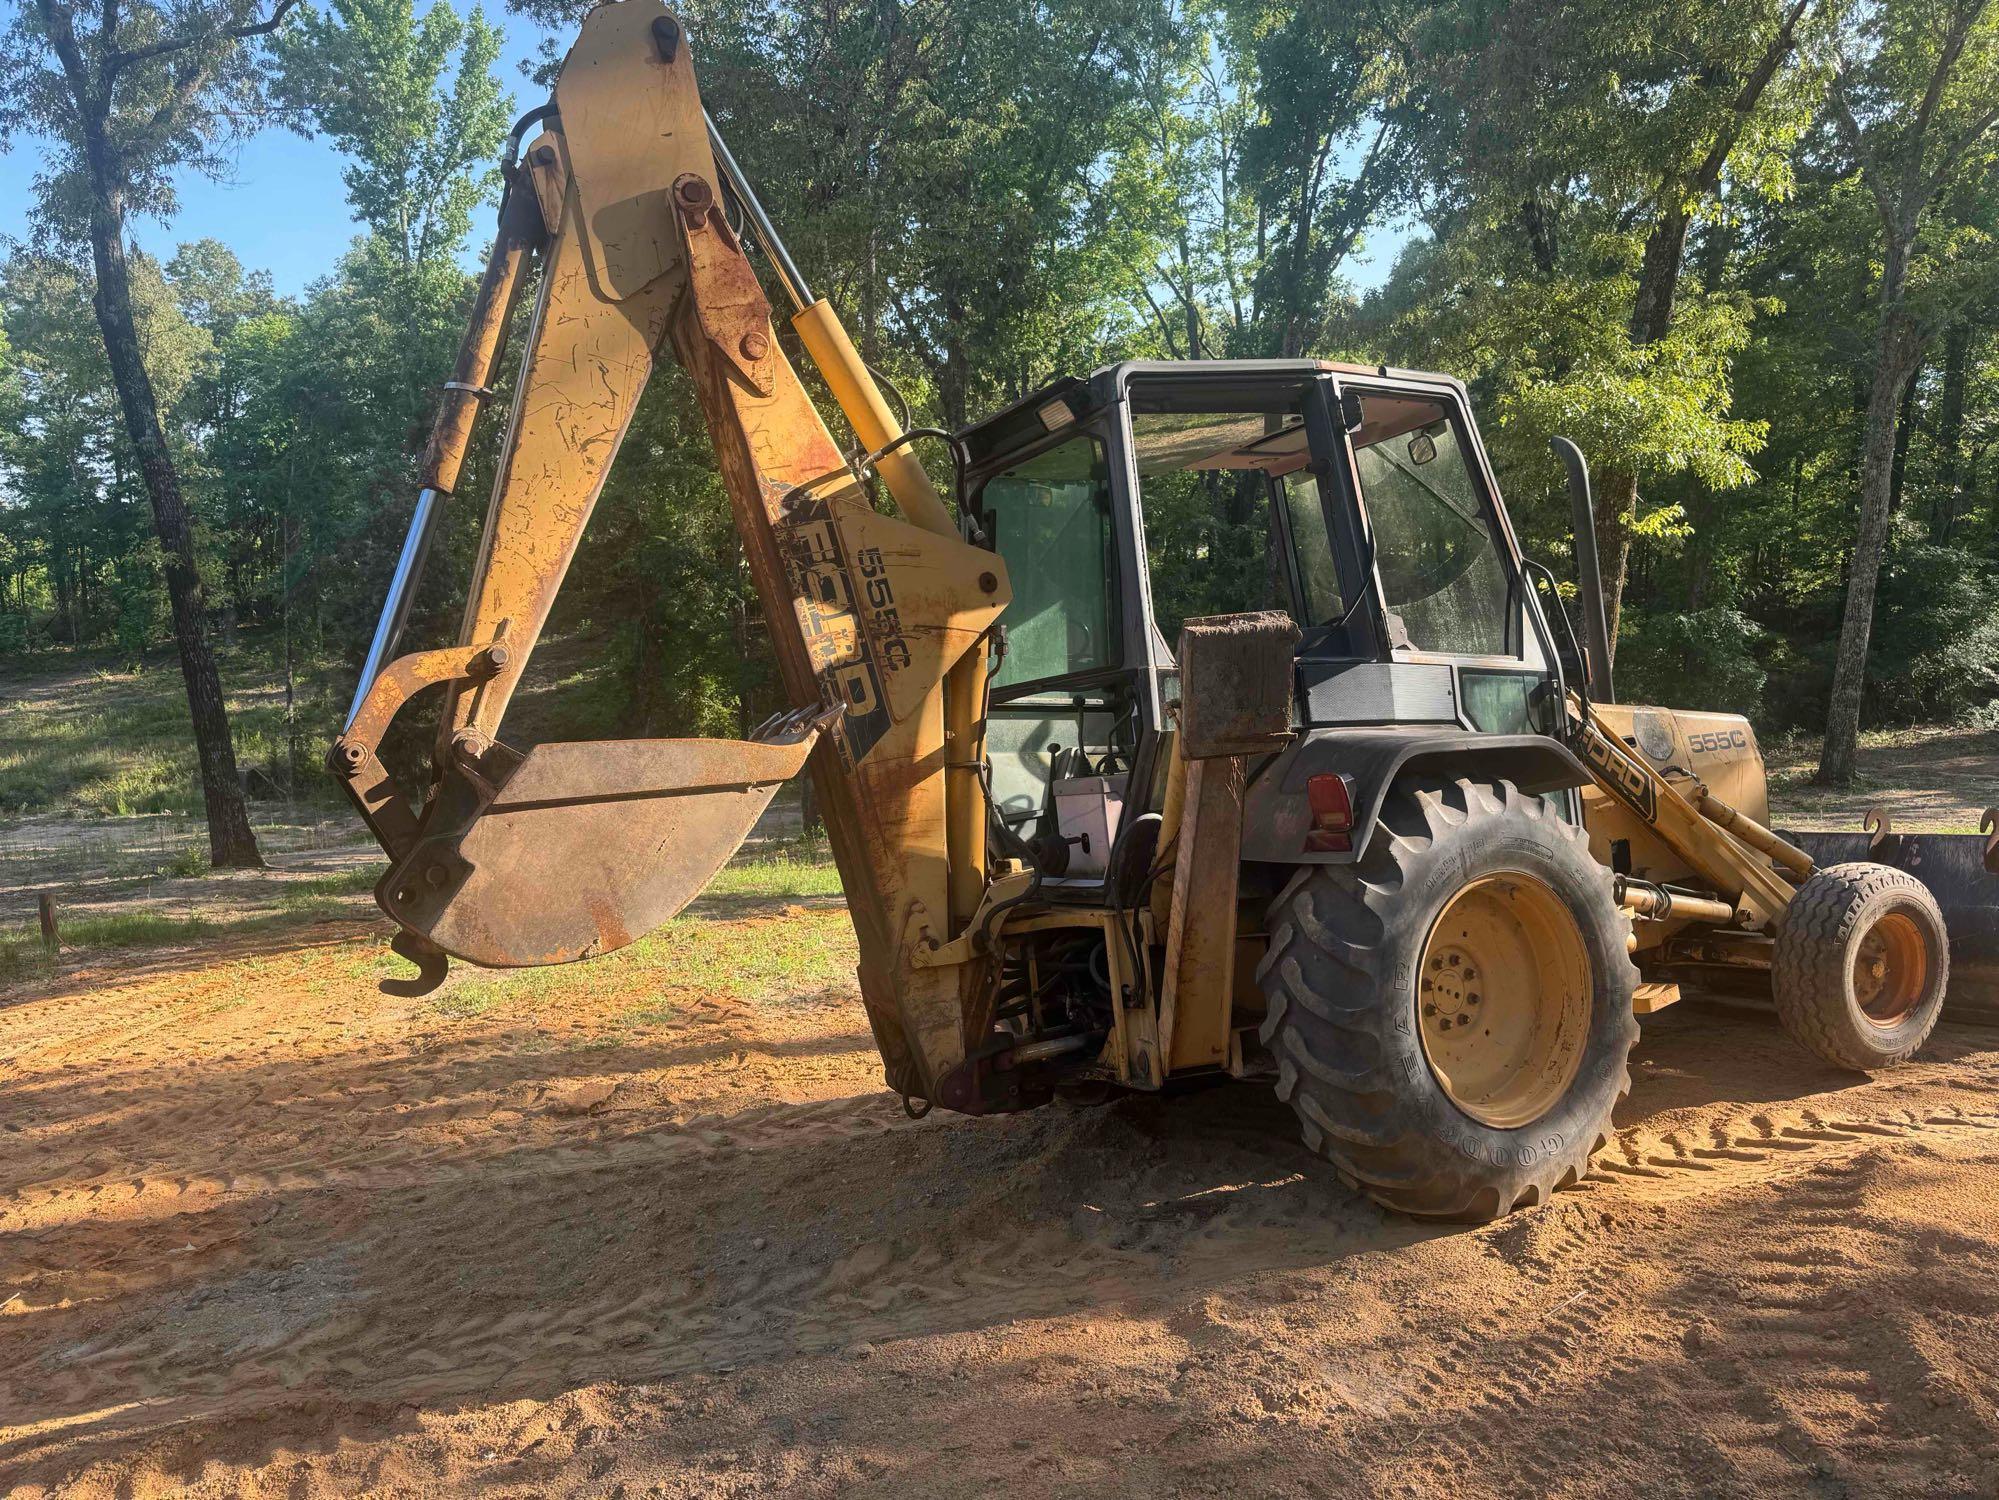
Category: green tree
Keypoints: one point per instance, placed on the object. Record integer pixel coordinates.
(77, 485)
(1572, 125)
(372, 75)
(412, 101)
(1915, 101)
(149, 88)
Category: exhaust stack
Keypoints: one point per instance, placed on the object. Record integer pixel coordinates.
(1589, 574)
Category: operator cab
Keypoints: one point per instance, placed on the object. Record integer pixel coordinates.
(1357, 500)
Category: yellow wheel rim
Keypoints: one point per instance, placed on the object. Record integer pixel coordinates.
(1891, 969)
(1504, 999)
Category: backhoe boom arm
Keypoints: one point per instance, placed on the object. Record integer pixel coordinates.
(566, 851)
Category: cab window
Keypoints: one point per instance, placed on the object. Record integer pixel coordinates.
(1318, 575)
(1445, 582)
(1050, 518)
(1212, 544)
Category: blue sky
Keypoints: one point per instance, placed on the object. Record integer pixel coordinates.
(282, 208)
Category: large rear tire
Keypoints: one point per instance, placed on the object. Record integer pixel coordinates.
(1861, 965)
(1451, 1015)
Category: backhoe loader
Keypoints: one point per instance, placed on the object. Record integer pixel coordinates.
(1114, 806)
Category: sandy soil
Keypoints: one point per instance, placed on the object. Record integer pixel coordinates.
(265, 1230)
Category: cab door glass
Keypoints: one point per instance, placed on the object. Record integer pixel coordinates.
(1445, 582)
(1212, 546)
(1318, 574)
(1050, 518)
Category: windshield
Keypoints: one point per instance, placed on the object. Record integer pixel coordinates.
(1444, 581)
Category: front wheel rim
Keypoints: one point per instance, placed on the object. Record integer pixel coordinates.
(1891, 970)
(1503, 999)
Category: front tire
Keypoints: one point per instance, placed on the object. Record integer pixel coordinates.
(1860, 965)
(1451, 1016)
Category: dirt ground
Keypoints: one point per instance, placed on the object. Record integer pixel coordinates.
(266, 1230)
(1937, 780)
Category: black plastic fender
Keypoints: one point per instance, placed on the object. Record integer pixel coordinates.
(1276, 815)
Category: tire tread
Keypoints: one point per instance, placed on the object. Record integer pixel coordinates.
(1322, 978)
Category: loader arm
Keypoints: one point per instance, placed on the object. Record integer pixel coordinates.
(1740, 858)
(567, 851)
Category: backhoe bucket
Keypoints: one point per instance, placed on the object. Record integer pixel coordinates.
(1962, 872)
(581, 848)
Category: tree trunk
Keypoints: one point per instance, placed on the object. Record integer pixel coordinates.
(1950, 434)
(231, 845)
(1539, 226)
(1897, 350)
(1905, 431)
(1659, 276)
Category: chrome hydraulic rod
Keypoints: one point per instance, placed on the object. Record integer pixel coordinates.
(787, 269)
(402, 589)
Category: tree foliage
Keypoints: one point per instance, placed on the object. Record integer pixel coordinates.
(1657, 229)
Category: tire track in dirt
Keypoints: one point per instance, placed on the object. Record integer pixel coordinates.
(1765, 1143)
(985, 1263)
(361, 1165)
(1799, 1311)
(389, 1224)
(1572, 1281)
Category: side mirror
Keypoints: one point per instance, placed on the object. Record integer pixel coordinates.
(1351, 413)
(1589, 573)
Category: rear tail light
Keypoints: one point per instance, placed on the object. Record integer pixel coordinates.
(1331, 799)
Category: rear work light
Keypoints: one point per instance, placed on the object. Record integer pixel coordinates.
(1331, 798)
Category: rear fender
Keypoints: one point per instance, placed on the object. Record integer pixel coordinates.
(1277, 815)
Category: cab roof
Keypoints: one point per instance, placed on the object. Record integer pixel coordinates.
(1036, 414)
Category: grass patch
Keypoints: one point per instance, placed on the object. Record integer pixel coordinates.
(22, 953)
(798, 871)
(341, 883)
(125, 929)
(755, 959)
(464, 1001)
(189, 862)
(101, 738)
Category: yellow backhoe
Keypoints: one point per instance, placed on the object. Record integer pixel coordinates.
(1111, 811)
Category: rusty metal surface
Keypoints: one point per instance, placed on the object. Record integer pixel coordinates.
(1197, 988)
(585, 847)
(353, 758)
(405, 677)
(730, 308)
(631, 120)
(521, 233)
